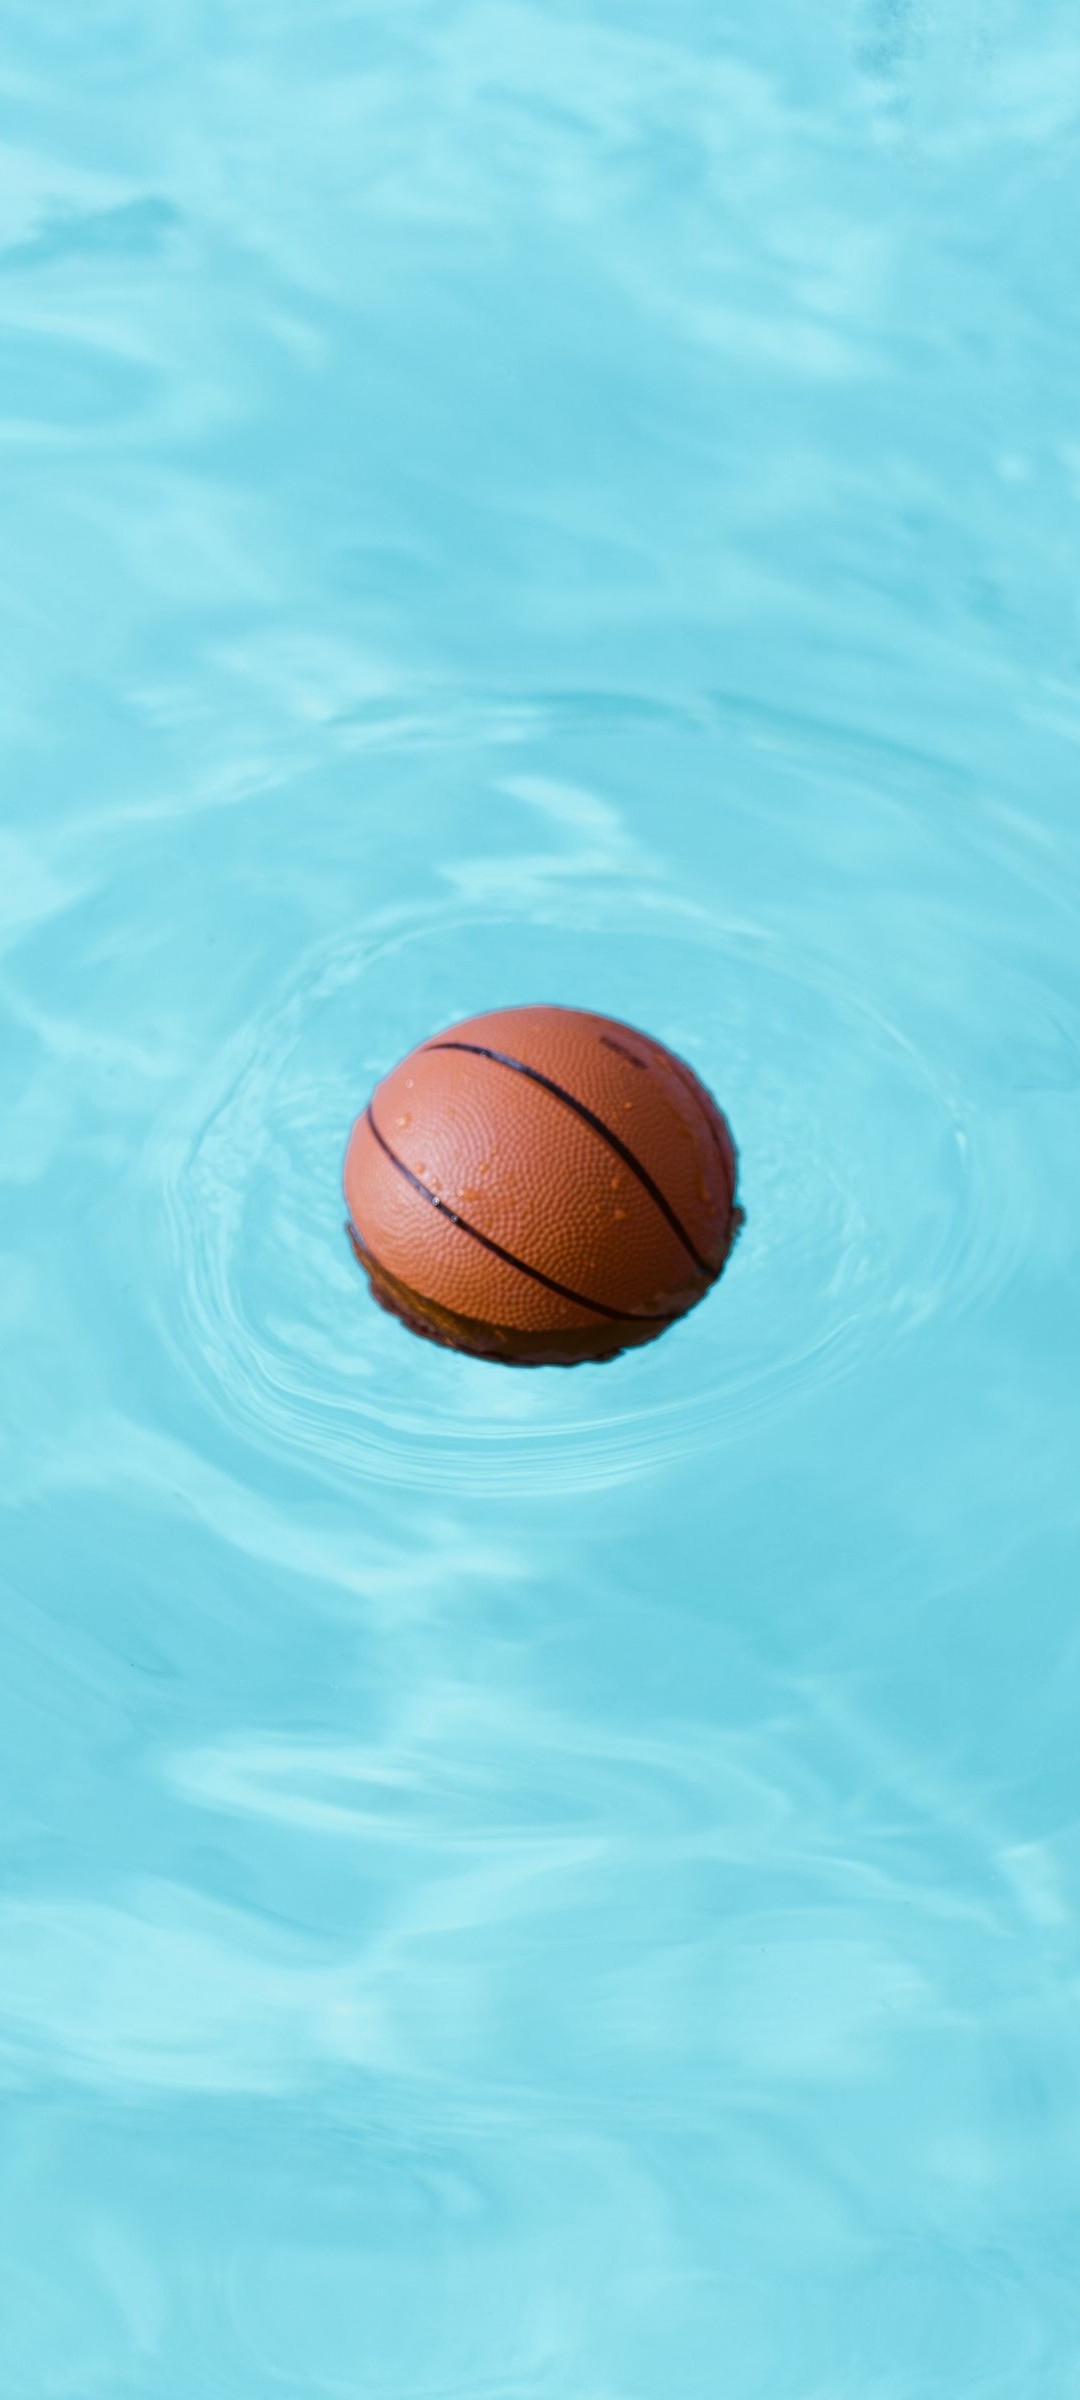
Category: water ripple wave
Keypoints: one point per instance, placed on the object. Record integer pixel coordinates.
(848, 1244)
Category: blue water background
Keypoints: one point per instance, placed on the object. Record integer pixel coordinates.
(561, 1884)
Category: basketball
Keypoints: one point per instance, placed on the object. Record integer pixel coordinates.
(541, 1186)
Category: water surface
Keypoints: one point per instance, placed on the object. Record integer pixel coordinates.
(559, 1884)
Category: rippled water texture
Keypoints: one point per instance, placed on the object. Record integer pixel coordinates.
(556, 1886)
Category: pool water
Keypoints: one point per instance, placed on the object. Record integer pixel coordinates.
(560, 1884)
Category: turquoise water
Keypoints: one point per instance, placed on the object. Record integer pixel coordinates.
(544, 1885)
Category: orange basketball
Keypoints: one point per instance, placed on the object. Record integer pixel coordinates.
(541, 1185)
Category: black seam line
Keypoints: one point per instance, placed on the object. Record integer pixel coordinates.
(367, 1259)
(589, 1117)
(618, 1316)
(359, 1247)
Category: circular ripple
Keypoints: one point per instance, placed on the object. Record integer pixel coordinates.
(854, 1172)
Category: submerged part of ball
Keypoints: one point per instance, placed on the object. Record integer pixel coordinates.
(541, 1186)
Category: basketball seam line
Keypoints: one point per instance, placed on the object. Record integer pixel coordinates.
(589, 1117)
(618, 1316)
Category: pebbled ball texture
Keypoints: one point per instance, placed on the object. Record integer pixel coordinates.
(541, 1186)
